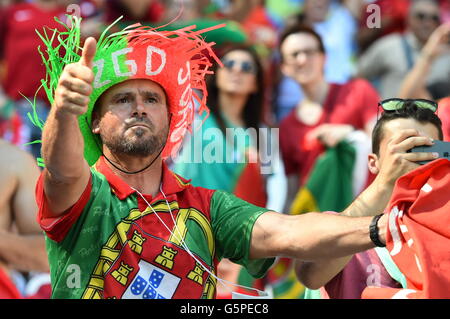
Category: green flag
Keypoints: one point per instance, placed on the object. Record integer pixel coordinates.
(330, 183)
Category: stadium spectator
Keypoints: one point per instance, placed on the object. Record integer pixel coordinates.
(22, 245)
(329, 111)
(390, 58)
(337, 28)
(395, 132)
(23, 67)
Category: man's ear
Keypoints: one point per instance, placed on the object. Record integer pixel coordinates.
(374, 164)
(95, 123)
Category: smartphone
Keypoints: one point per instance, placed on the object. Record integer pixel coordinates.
(440, 147)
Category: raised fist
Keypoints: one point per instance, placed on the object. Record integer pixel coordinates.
(75, 84)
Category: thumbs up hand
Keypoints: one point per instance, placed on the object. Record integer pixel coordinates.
(88, 54)
(75, 84)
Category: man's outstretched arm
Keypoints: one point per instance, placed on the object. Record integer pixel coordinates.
(318, 236)
(66, 171)
(373, 201)
(311, 236)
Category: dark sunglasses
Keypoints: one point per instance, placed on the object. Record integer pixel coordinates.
(392, 105)
(423, 16)
(245, 66)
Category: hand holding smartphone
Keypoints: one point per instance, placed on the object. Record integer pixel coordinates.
(440, 147)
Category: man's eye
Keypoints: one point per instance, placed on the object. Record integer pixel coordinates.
(152, 100)
(123, 100)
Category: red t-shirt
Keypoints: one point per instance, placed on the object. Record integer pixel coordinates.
(353, 103)
(19, 47)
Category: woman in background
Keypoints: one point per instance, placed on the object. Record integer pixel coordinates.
(229, 158)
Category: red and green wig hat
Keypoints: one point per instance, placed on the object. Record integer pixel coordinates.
(177, 60)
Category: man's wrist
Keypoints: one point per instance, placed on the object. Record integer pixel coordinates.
(377, 230)
(62, 114)
(384, 184)
(426, 56)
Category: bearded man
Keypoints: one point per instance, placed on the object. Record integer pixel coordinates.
(119, 223)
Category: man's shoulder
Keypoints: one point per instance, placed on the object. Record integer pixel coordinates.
(101, 187)
(356, 84)
(357, 91)
(188, 189)
(14, 157)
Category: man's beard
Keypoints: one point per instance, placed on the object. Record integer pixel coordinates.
(139, 146)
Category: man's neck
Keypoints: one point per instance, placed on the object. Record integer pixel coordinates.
(147, 181)
(316, 92)
(232, 105)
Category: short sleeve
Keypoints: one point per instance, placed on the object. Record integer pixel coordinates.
(56, 228)
(357, 104)
(232, 221)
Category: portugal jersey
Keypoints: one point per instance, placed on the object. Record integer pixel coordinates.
(115, 243)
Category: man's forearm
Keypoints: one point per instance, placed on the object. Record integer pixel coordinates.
(23, 252)
(414, 84)
(311, 236)
(372, 201)
(62, 146)
(334, 236)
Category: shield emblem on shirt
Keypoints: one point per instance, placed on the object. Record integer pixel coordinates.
(151, 283)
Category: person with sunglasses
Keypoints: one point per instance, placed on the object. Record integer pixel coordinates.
(415, 83)
(235, 99)
(327, 115)
(402, 124)
(109, 204)
(388, 60)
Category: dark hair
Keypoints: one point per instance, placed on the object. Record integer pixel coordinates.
(414, 4)
(295, 28)
(252, 113)
(409, 111)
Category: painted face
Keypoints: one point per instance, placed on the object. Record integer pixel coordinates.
(132, 118)
(302, 59)
(238, 75)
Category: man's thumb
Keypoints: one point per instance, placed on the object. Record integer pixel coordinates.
(88, 54)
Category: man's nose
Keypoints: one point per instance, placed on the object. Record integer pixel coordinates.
(139, 107)
(301, 58)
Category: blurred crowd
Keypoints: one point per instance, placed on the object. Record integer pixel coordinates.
(314, 69)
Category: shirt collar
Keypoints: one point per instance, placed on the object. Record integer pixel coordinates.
(171, 182)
